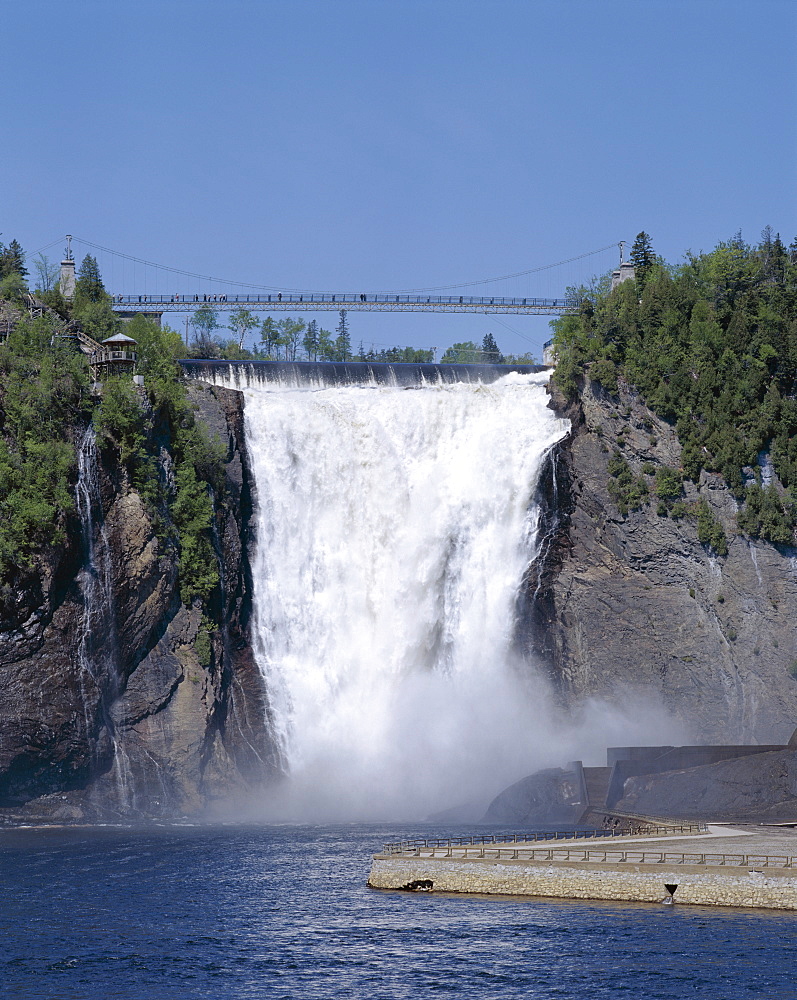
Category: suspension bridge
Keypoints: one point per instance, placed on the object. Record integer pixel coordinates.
(140, 286)
(351, 302)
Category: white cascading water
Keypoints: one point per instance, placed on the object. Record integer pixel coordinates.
(394, 529)
(97, 642)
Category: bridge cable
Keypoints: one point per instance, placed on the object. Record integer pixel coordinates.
(42, 249)
(506, 277)
(280, 288)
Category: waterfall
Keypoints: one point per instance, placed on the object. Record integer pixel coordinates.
(321, 374)
(394, 529)
(97, 643)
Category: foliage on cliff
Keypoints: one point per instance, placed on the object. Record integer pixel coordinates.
(182, 502)
(43, 395)
(711, 345)
(45, 400)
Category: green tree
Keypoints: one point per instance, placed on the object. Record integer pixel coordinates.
(98, 319)
(490, 352)
(709, 530)
(47, 273)
(465, 353)
(643, 258)
(291, 332)
(269, 336)
(241, 321)
(628, 491)
(89, 286)
(43, 395)
(13, 287)
(193, 513)
(205, 321)
(12, 260)
(343, 339)
(230, 351)
(310, 341)
(158, 346)
(326, 345)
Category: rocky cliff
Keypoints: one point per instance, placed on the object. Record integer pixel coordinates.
(118, 700)
(629, 607)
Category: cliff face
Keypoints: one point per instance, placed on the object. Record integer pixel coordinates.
(636, 606)
(116, 700)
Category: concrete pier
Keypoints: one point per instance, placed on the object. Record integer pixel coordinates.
(741, 867)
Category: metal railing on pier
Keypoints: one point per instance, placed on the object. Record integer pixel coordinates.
(435, 843)
(628, 856)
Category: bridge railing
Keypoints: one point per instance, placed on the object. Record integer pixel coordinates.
(341, 299)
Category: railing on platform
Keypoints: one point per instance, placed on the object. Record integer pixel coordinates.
(407, 846)
(105, 357)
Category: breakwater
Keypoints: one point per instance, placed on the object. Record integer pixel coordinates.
(584, 880)
(640, 871)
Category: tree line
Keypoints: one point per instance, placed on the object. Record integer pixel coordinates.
(286, 339)
(710, 344)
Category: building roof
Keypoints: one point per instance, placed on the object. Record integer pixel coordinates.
(119, 338)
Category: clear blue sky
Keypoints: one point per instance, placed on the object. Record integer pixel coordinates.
(383, 144)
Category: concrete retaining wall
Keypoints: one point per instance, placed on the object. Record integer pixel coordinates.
(642, 883)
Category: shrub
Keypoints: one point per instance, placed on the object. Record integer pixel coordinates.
(767, 514)
(604, 372)
(202, 644)
(668, 483)
(628, 491)
(709, 530)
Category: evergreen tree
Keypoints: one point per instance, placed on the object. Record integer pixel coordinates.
(490, 352)
(269, 335)
(310, 342)
(12, 260)
(343, 340)
(643, 259)
(89, 286)
(712, 348)
(326, 346)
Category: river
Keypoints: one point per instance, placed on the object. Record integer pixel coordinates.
(285, 912)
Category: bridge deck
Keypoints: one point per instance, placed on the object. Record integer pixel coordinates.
(329, 302)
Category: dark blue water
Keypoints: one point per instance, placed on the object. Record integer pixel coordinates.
(285, 912)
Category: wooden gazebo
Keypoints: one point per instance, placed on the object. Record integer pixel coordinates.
(117, 356)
